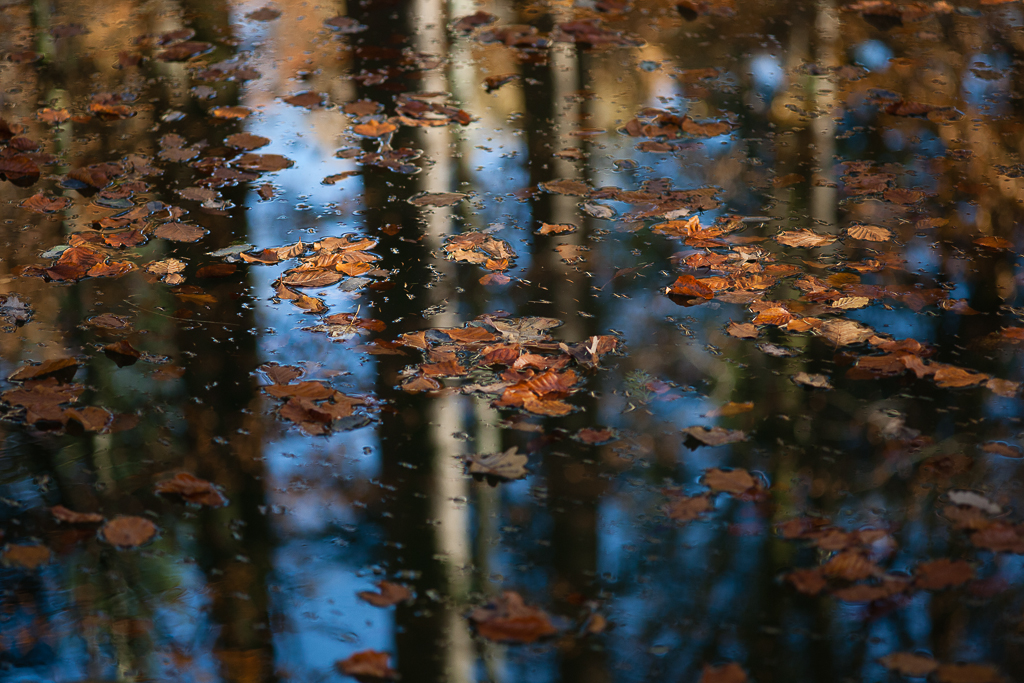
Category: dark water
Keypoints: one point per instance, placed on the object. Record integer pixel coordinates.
(757, 118)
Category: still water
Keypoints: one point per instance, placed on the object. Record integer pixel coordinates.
(623, 340)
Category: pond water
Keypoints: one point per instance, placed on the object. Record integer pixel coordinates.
(614, 340)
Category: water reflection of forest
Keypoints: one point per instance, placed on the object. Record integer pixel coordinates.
(590, 275)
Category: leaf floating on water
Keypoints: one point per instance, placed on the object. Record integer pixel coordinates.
(508, 619)
(128, 531)
(375, 129)
(246, 141)
(30, 557)
(742, 330)
(842, 332)
(730, 672)
(942, 573)
(815, 381)
(41, 203)
(804, 238)
(736, 481)
(63, 514)
(389, 594)
(65, 367)
(436, 198)
(968, 673)
(505, 466)
(714, 436)
(688, 508)
(193, 489)
(729, 409)
(869, 233)
(180, 232)
(368, 665)
(910, 664)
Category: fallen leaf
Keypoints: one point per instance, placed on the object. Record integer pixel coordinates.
(62, 514)
(731, 672)
(942, 573)
(811, 380)
(742, 330)
(30, 557)
(436, 198)
(715, 436)
(193, 489)
(735, 481)
(508, 619)
(389, 594)
(968, 673)
(910, 664)
(505, 466)
(180, 232)
(128, 531)
(804, 238)
(368, 665)
(688, 508)
(869, 233)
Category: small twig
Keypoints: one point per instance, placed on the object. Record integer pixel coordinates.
(174, 317)
(355, 316)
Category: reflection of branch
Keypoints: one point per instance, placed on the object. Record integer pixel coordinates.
(174, 317)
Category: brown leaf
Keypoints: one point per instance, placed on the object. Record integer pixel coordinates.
(265, 163)
(688, 508)
(506, 466)
(30, 557)
(594, 436)
(128, 531)
(909, 664)
(811, 380)
(730, 672)
(282, 374)
(182, 51)
(193, 489)
(390, 594)
(869, 233)
(508, 619)
(267, 13)
(246, 141)
(53, 116)
(947, 376)
(996, 243)
(62, 514)
(735, 481)
(850, 565)
(968, 673)
(843, 332)
(715, 436)
(90, 418)
(942, 573)
(343, 24)
(66, 367)
(436, 198)
(374, 128)
(1001, 448)
(122, 353)
(368, 665)
(742, 330)
(308, 99)
(729, 409)
(566, 187)
(807, 581)
(231, 112)
(40, 203)
(180, 232)
(689, 286)
(804, 238)
(314, 391)
(311, 278)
